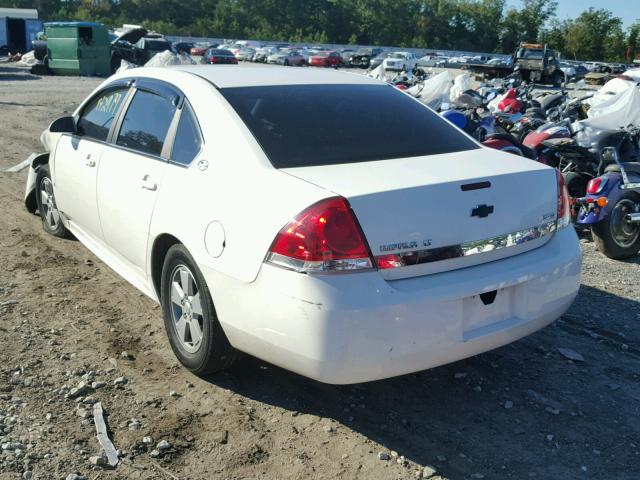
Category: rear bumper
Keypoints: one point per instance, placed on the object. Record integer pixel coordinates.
(358, 327)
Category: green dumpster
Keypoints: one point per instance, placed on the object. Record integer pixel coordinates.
(78, 48)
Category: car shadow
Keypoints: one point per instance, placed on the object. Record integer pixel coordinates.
(459, 418)
(19, 78)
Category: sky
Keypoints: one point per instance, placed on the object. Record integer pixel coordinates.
(628, 10)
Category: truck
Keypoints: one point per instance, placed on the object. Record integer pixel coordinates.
(537, 63)
(18, 29)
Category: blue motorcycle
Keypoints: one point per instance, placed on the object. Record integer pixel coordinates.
(611, 206)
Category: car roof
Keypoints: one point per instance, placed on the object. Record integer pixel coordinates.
(229, 76)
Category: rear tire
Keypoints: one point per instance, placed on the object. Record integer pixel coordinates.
(47, 207)
(614, 237)
(190, 319)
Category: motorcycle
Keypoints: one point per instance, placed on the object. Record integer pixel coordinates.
(611, 206)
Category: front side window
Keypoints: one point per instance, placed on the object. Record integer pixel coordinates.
(97, 117)
(146, 123)
(188, 141)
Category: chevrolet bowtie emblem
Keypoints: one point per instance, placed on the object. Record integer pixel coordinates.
(482, 211)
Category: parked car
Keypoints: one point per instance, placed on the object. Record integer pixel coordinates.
(363, 56)
(246, 54)
(287, 57)
(400, 61)
(183, 47)
(329, 58)
(377, 61)
(263, 53)
(199, 49)
(219, 56)
(249, 207)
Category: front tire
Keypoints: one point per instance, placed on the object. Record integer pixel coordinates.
(47, 207)
(190, 319)
(615, 237)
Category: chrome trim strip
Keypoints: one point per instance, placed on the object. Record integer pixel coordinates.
(418, 257)
(627, 186)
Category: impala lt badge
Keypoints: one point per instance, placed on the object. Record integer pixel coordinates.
(482, 211)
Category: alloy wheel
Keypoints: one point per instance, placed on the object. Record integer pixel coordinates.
(50, 213)
(186, 309)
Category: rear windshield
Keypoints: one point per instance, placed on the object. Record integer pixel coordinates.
(220, 52)
(310, 125)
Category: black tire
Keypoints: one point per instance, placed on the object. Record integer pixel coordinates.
(286, 62)
(607, 234)
(49, 214)
(213, 352)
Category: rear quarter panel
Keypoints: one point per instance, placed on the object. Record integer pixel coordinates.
(239, 188)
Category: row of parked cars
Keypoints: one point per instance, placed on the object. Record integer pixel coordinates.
(283, 54)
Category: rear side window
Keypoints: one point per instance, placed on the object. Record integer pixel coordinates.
(310, 125)
(188, 140)
(146, 123)
(97, 117)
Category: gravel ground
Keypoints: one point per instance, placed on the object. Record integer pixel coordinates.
(72, 333)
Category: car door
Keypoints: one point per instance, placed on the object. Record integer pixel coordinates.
(77, 159)
(131, 173)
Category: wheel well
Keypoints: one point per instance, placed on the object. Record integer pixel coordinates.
(161, 246)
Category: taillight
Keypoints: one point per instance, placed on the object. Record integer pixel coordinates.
(326, 237)
(213, 60)
(564, 211)
(596, 185)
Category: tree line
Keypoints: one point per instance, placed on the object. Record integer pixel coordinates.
(469, 25)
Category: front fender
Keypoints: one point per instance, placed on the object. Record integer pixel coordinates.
(30, 192)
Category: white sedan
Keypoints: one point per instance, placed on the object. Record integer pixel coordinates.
(248, 206)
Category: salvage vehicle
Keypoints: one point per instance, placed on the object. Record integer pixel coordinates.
(538, 63)
(362, 57)
(150, 45)
(286, 58)
(246, 54)
(400, 61)
(263, 53)
(329, 58)
(200, 48)
(219, 56)
(250, 209)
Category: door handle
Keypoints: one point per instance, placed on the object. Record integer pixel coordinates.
(149, 184)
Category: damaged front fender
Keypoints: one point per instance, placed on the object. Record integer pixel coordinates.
(30, 201)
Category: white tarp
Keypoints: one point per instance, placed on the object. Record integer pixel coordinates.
(124, 65)
(609, 89)
(377, 73)
(633, 73)
(461, 84)
(617, 111)
(435, 90)
(168, 58)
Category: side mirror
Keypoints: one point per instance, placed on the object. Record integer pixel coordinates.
(63, 125)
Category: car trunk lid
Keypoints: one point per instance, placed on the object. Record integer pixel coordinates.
(444, 212)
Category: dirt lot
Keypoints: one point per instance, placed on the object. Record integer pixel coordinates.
(523, 411)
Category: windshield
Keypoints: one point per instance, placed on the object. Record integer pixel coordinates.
(397, 55)
(312, 125)
(529, 53)
(322, 54)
